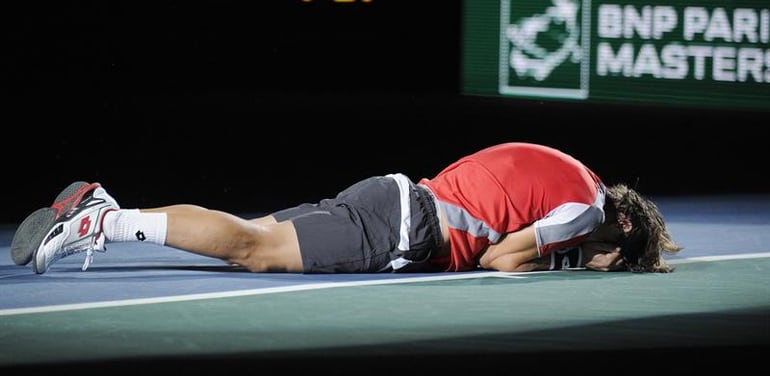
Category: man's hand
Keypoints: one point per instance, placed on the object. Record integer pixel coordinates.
(602, 256)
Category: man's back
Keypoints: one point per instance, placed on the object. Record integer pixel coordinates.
(506, 187)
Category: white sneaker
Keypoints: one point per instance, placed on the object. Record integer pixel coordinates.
(78, 226)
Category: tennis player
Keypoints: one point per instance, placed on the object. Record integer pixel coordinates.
(512, 207)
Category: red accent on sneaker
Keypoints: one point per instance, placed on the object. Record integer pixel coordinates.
(76, 196)
(85, 225)
(101, 223)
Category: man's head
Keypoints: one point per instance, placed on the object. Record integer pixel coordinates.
(645, 234)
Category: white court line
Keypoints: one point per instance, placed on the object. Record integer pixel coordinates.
(718, 258)
(318, 286)
(259, 291)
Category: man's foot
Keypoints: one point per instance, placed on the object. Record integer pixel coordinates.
(76, 227)
(32, 230)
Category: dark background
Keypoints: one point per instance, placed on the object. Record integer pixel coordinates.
(256, 105)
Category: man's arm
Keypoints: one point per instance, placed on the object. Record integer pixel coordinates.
(515, 252)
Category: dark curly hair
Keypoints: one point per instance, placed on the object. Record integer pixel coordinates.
(648, 238)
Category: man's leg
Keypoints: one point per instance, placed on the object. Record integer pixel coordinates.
(87, 216)
(270, 247)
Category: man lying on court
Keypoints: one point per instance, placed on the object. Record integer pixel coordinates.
(510, 207)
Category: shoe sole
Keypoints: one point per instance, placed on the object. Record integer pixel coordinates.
(30, 234)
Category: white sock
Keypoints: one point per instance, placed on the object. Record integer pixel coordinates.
(131, 225)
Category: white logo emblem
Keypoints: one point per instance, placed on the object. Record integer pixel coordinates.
(557, 26)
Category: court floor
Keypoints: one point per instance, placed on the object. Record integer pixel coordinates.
(161, 308)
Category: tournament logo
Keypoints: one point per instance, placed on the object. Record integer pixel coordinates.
(544, 49)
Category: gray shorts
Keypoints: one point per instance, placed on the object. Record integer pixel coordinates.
(379, 224)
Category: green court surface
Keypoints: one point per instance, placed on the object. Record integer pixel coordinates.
(711, 312)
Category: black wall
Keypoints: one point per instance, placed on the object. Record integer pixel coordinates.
(253, 106)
